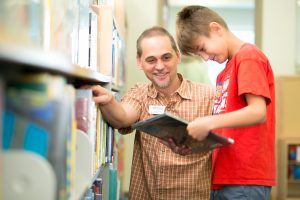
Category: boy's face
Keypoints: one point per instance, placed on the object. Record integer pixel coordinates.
(212, 48)
(159, 60)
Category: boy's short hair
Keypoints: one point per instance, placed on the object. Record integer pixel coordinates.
(193, 21)
(154, 31)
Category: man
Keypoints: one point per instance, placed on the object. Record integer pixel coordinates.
(161, 171)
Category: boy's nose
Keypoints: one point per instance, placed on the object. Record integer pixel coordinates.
(204, 56)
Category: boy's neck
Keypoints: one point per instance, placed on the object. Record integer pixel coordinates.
(235, 45)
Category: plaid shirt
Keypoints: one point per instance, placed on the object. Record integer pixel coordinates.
(157, 172)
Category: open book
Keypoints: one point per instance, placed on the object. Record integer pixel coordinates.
(165, 126)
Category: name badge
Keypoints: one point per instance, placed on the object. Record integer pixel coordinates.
(156, 110)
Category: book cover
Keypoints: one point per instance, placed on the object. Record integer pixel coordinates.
(165, 126)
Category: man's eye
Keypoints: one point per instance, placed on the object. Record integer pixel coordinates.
(166, 58)
(151, 61)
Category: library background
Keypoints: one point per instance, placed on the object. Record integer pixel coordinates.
(54, 142)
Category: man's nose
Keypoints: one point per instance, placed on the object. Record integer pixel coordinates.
(159, 64)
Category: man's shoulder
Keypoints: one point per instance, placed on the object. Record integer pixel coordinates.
(138, 88)
(198, 85)
(199, 90)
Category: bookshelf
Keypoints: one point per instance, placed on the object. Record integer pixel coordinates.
(287, 133)
(44, 60)
(289, 173)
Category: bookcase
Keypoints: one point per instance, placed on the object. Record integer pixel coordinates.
(289, 165)
(52, 50)
(288, 137)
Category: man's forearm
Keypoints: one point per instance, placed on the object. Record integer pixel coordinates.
(114, 114)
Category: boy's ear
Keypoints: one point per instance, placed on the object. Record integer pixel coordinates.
(215, 27)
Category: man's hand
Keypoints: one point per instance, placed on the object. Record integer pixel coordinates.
(182, 150)
(101, 95)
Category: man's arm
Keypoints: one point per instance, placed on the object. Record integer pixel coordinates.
(253, 113)
(116, 114)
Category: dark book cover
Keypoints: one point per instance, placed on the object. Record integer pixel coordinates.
(165, 126)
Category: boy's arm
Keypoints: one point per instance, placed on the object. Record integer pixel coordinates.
(116, 114)
(253, 113)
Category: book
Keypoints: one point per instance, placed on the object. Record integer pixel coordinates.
(166, 125)
(37, 118)
(104, 38)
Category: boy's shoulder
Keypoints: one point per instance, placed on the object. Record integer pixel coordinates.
(248, 47)
(250, 51)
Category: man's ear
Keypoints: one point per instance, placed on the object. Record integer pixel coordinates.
(178, 57)
(139, 63)
(215, 28)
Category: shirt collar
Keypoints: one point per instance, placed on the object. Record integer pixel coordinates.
(183, 90)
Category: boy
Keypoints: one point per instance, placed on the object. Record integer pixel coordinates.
(244, 107)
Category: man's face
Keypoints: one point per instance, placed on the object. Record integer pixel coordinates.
(158, 60)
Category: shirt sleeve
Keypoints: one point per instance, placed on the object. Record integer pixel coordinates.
(252, 78)
(133, 98)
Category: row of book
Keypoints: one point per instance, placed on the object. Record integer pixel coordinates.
(294, 161)
(41, 114)
(84, 31)
(95, 191)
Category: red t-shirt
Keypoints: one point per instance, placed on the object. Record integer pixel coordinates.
(251, 159)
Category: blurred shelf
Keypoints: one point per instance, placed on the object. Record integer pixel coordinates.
(14, 58)
(294, 181)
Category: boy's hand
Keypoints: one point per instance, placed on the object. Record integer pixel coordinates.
(199, 128)
(182, 150)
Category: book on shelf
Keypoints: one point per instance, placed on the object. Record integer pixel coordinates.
(86, 116)
(93, 28)
(38, 118)
(104, 38)
(1, 111)
(167, 125)
(83, 34)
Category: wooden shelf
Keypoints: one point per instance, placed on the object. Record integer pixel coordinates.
(293, 162)
(294, 181)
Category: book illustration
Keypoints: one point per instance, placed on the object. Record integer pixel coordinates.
(165, 126)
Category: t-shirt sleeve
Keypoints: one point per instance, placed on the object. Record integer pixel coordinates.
(253, 79)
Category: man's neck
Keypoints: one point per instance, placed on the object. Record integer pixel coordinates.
(168, 91)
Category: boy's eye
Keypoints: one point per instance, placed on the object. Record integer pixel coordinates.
(200, 49)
